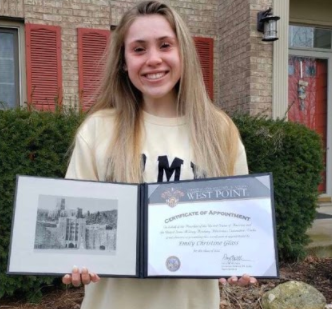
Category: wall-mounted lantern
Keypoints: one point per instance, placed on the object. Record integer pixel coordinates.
(267, 24)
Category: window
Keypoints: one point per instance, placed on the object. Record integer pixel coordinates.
(9, 68)
(309, 37)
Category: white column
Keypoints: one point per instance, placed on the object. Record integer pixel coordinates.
(280, 61)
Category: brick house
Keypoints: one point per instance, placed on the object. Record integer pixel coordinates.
(50, 50)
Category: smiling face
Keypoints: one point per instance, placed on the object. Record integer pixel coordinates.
(152, 59)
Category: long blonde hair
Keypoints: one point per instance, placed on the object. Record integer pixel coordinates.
(213, 135)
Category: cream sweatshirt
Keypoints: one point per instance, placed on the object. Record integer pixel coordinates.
(168, 156)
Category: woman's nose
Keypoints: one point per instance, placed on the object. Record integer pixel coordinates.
(154, 57)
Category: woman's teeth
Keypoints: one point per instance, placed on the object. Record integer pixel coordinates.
(155, 76)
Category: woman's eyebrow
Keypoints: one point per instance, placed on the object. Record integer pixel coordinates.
(166, 37)
(158, 39)
(137, 41)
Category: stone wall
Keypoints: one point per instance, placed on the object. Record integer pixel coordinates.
(234, 49)
(12, 8)
(261, 67)
(245, 61)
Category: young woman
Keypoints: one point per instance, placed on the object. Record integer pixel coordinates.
(153, 122)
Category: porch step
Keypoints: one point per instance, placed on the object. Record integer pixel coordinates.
(321, 232)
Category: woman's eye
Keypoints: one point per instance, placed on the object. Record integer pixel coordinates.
(138, 49)
(165, 45)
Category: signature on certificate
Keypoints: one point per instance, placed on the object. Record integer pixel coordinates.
(233, 258)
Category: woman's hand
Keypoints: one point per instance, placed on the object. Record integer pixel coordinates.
(245, 280)
(77, 278)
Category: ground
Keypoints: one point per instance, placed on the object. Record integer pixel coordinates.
(314, 271)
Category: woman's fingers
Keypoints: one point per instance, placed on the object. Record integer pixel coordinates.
(94, 277)
(223, 281)
(245, 280)
(66, 279)
(253, 280)
(85, 276)
(232, 280)
(77, 278)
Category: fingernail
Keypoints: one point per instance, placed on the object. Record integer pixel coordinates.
(67, 276)
(252, 281)
(234, 279)
(84, 270)
(75, 269)
(94, 277)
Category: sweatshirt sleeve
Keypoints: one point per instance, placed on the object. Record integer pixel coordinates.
(82, 164)
(241, 165)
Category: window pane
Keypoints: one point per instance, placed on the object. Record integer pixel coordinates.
(7, 69)
(322, 38)
(302, 37)
(290, 69)
(309, 37)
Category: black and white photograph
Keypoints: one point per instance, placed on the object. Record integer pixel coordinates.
(58, 223)
(76, 224)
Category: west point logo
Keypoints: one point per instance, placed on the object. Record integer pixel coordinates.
(172, 196)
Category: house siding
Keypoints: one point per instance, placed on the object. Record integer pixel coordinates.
(311, 12)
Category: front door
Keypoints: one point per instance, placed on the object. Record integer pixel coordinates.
(308, 98)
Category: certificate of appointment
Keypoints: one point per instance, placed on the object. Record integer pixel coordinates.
(212, 228)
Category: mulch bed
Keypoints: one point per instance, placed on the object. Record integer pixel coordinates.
(314, 271)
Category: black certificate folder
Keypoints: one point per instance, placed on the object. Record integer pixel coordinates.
(204, 228)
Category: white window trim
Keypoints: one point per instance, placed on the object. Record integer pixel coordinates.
(280, 61)
(21, 56)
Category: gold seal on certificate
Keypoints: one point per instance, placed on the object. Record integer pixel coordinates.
(150, 230)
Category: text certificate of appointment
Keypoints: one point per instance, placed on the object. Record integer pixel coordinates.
(212, 228)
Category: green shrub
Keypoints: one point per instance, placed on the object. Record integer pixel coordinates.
(31, 143)
(36, 143)
(293, 153)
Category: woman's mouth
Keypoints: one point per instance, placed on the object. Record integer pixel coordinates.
(154, 76)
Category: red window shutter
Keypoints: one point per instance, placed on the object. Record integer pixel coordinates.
(204, 47)
(91, 46)
(44, 69)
